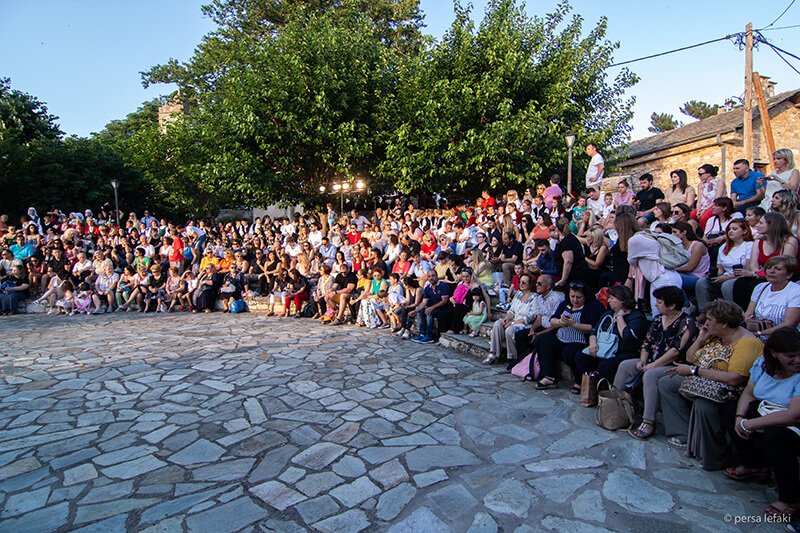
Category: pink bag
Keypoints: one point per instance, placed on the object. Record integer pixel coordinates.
(523, 368)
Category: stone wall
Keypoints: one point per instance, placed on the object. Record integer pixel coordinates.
(720, 151)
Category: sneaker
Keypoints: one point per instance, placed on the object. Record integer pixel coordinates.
(406, 335)
(423, 339)
(418, 338)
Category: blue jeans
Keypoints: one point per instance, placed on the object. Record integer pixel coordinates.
(425, 322)
(688, 281)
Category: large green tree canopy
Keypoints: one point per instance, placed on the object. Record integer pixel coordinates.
(289, 94)
(490, 107)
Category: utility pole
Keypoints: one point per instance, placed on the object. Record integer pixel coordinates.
(766, 123)
(748, 93)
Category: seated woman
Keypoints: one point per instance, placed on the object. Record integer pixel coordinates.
(682, 213)
(105, 287)
(367, 311)
(570, 259)
(205, 295)
(573, 322)
(626, 323)
(324, 286)
(699, 261)
(597, 257)
(775, 239)
(723, 352)
(734, 253)
(767, 435)
(502, 336)
(412, 298)
(776, 303)
(297, 292)
(669, 335)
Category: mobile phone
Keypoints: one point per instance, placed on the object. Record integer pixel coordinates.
(738, 267)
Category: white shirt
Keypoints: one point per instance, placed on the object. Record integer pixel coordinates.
(739, 255)
(591, 172)
(597, 206)
(772, 305)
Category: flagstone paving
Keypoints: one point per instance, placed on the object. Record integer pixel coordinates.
(226, 423)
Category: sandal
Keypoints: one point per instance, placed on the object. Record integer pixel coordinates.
(642, 432)
(675, 441)
(491, 358)
(576, 389)
(743, 473)
(546, 383)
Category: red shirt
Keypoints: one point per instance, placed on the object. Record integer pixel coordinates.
(177, 250)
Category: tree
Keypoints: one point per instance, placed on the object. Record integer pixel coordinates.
(285, 97)
(490, 107)
(699, 109)
(661, 122)
(23, 118)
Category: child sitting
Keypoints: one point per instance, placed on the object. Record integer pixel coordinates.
(67, 303)
(477, 315)
(82, 299)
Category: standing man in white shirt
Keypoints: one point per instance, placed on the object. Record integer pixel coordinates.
(594, 174)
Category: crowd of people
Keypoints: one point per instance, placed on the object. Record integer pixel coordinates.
(688, 295)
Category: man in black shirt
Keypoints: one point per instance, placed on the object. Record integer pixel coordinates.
(510, 255)
(343, 285)
(646, 199)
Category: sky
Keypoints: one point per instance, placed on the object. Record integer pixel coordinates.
(83, 58)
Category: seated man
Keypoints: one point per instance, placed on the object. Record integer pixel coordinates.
(544, 305)
(435, 304)
(343, 286)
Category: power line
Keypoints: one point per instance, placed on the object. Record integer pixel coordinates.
(782, 14)
(779, 54)
(780, 49)
(673, 51)
(780, 28)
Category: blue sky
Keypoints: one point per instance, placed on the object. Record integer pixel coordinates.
(83, 57)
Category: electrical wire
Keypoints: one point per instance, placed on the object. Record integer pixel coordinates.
(782, 14)
(780, 28)
(779, 49)
(673, 51)
(779, 54)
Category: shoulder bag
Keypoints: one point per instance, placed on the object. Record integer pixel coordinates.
(615, 408)
(606, 340)
(693, 387)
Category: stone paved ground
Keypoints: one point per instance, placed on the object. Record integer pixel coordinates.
(226, 423)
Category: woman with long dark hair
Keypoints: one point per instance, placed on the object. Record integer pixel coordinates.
(681, 192)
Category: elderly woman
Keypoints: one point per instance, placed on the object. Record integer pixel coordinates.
(767, 419)
(776, 303)
(666, 341)
(723, 352)
(572, 321)
(502, 336)
(105, 288)
(626, 323)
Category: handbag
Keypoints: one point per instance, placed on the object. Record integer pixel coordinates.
(754, 325)
(606, 340)
(523, 368)
(615, 408)
(589, 382)
(766, 408)
(693, 387)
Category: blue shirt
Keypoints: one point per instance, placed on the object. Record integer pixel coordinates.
(434, 294)
(746, 188)
(22, 252)
(776, 391)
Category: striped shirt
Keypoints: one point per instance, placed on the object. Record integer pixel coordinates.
(568, 334)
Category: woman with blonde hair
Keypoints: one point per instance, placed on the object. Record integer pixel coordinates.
(596, 256)
(785, 176)
(786, 203)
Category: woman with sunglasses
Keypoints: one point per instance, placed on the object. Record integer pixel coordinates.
(711, 187)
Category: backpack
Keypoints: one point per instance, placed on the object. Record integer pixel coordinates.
(671, 250)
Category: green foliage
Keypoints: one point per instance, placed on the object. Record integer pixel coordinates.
(661, 122)
(699, 109)
(490, 107)
(23, 118)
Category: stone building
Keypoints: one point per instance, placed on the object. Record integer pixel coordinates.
(716, 140)
(171, 111)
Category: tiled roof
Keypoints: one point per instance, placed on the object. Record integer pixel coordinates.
(718, 124)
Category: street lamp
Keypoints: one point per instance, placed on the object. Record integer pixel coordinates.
(570, 138)
(115, 185)
(342, 187)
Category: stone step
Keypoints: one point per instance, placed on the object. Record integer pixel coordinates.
(478, 348)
